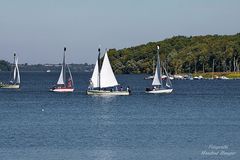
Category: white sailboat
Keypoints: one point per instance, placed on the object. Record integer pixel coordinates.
(103, 80)
(158, 85)
(64, 84)
(14, 82)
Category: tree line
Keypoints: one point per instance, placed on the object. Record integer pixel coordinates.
(181, 54)
(4, 65)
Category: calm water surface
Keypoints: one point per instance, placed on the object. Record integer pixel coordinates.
(39, 125)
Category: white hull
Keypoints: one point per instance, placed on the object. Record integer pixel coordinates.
(62, 90)
(160, 91)
(149, 77)
(108, 93)
(10, 86)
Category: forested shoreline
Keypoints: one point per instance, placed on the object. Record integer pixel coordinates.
(181, 54)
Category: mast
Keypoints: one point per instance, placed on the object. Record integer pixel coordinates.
(99, 68)
(64, 66)
(13, 68)
(213, 69)
(234, 64)
(158, 59)
(153, 65)
(14, 58)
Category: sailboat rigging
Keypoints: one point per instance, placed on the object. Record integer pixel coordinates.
(14, 82)
(64, 84)
(103, 80)
(158, 85)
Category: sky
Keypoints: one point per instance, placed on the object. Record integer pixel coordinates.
(37, 30)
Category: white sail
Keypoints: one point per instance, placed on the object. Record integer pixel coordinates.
(156, 80)
(107, 77)
(168, 82)
(95, 78)
(14, 73)
(60, 79)
(18, 74)
(157, 76)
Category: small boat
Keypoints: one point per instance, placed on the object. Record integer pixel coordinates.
(224, 78)
(103, 80)
(64, 84)
(14, 82)
(177, 76)
(198, 77)
(149, 77)
(158, 85)
(48, 71)
(188, 77)
(171, 77)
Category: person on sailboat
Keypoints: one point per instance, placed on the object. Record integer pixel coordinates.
(128, 89)
(69, 83)
(154, 88)
(90, 84)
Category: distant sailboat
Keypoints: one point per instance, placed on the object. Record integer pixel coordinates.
(14, 82)
(158, 85)
(103, 80)
(64, 84)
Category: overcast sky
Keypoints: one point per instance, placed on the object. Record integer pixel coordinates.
(39, 29)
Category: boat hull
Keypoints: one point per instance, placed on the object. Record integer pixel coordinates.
(160, 91)
(108, 93)
(63, 90)
(149, 77)
(10, 86)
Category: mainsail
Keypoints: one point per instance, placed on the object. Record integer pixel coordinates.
(18, 74)
(60, 79)
(107, 77)
(14, 72)
(95, 77)
(157, 81)
(15, 75)
(103, 76)
(62, 76)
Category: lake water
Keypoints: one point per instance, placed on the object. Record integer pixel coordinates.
(197, 121)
